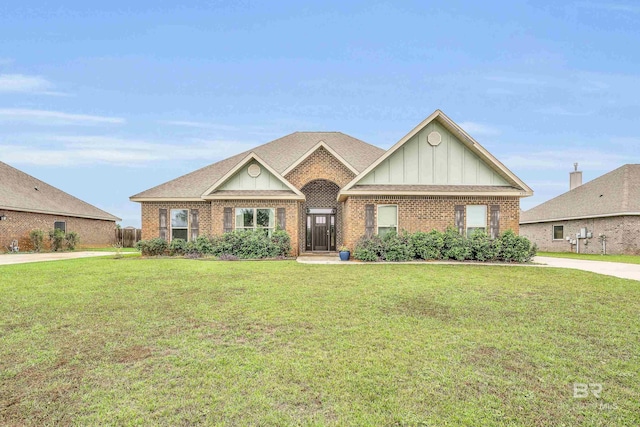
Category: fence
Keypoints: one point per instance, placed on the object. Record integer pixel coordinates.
(128, 236)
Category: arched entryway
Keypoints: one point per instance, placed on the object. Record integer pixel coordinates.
(321, 217)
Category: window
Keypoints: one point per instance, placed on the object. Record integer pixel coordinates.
(250, 219)
(558, 232)
(387, 219)
(476, 218)
(180, 224)
(60, 225)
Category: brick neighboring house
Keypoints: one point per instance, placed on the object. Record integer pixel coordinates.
(328, 189)
(26, 204)
(606, 206)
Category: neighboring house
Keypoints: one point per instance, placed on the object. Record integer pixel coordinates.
(604, 213)
(328, 189)
(26, 204)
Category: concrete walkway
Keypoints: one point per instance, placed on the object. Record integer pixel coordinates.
(53, 256)
(616, 269)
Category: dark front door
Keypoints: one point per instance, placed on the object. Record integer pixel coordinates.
(321, 232)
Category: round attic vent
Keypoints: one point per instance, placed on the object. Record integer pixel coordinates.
(434, 138)
(254, 170)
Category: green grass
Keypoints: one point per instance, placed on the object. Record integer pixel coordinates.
(627, 259)
(181, 342)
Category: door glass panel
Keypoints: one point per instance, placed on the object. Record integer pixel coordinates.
(321, 220)
(309, 232)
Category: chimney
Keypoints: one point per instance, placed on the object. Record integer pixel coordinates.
(575, 177)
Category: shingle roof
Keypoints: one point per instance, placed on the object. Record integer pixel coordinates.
(278, 154)
(22, 192)
(617, 192)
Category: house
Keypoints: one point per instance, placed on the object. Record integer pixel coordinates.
(328, 189)
(601, 216)
(26, 204)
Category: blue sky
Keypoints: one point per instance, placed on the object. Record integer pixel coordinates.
(106, 101)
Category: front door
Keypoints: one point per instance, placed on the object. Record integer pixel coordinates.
(321, 232)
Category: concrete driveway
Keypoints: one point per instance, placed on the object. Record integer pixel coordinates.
(616, 269)
(54, 256)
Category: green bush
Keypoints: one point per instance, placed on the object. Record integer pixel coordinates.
(397, 247)
(455, 245)
(72, 240)
(37, 239)
(281, 243)
(203, 245)
(178, 247)
(427, 245)
(152, 247)
(481, 247)
(56, 237)
(516, 248)
(369, 249)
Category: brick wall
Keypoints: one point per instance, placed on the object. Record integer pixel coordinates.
(623, 235)
(320, 165)
(151, 216)
(18, 225)
(291, 207)
(424, 213)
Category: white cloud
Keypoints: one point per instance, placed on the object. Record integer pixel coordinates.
(201, 125)
(44, 117)
(88, 150)
(21, 83)
(613, 7)
(562, 160)
(560, 111)
(474, 128)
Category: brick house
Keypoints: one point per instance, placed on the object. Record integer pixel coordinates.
(26, 204)
(328, 189)
(602, 215)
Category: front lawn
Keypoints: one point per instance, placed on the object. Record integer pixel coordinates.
(627, 259)
(183, 342)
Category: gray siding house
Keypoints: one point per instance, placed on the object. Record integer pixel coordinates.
(601, 216)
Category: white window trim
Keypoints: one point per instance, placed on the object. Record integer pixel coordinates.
(466, 219)
(553, 233)
(378, 216)
(255, 220)
(188, 227)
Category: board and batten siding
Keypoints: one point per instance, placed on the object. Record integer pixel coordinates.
(419, 163)
(241, 180)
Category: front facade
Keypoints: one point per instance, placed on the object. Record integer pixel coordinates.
(27, 204)
(327, 189)
(601, 216)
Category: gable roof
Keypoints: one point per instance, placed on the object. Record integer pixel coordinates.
(516, 183)
(279, 154)
(210, 193)
(22, 192)
(613, 194)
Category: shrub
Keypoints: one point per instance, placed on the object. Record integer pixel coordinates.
(203, 245)
(281, 243)
(427, 245)
(152, 247)
(481, 247)
(516, 248)
(37, 239)
(178, 247)
(368, 249)
(72, 240)
(455, 245)
(397, 247)
(56, 237)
